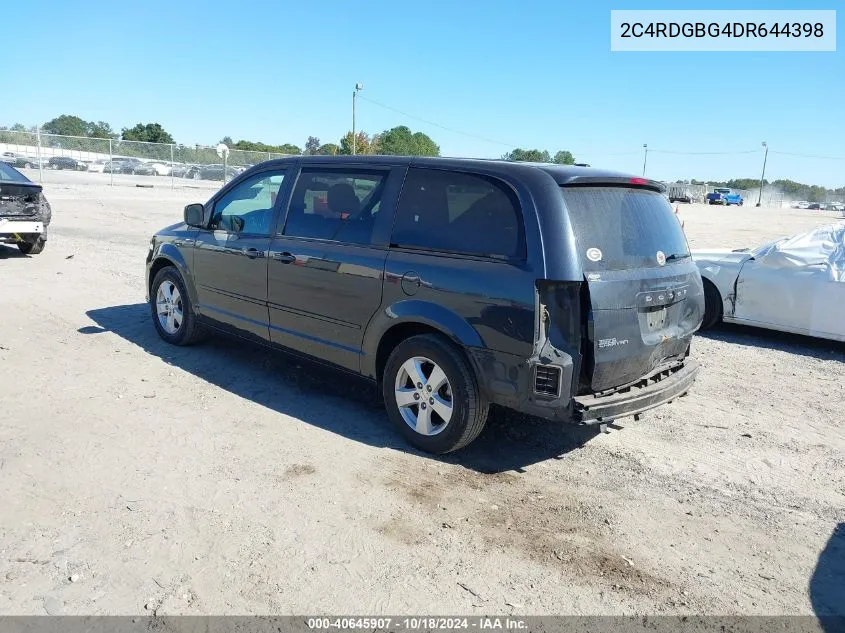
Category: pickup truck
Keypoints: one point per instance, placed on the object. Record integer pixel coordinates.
(724, 196)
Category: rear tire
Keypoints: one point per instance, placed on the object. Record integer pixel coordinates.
(182, 328)
(468, 405)
(34, 247)
(712, 306)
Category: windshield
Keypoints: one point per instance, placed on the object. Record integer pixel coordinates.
(10, 174)
(623, 228)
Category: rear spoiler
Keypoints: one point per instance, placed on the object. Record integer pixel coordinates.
(614, 181)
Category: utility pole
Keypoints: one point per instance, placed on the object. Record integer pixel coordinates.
(763, 177)
(645, 157)
(38, 153)
(354, 98)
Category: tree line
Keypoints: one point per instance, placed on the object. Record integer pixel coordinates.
(397, 141)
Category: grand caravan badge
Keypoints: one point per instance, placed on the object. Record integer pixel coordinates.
(612, 342)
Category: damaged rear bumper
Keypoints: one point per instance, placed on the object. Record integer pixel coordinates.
(511, 382)
(12, 230)
(647, 394)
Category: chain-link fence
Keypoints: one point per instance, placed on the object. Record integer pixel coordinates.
(52, 158)
(55, 158)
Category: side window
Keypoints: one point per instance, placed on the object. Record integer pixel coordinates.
(460, 213)
(338, 205)
(248, 207)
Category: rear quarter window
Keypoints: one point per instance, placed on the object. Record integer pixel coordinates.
(618, 228)
(458, 212)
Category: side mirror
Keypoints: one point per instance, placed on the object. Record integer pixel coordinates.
(194, 214)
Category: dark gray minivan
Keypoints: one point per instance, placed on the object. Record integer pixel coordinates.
(559, 291)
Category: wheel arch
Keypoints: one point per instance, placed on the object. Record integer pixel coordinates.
(708, 283)
(168, 255)
(723, 277)
(410, 318)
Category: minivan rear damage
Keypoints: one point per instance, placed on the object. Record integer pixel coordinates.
(616, 342)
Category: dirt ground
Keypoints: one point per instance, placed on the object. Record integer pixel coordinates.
(138, 477)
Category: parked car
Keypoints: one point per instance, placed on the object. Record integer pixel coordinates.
(25, 213)
(181, 170)
(793, 284)
(97, 166)
(161, 168)
(214, 172)
(114, 166)
(722, 195)
(144, 169)
(814, 206)
(128, 165)
(66, 162)
(28, 162)
(9, 157)
(563, 292)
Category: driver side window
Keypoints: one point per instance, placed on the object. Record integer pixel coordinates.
(248, 207)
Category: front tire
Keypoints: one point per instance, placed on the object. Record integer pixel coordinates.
(432, 395)
(171, 309)
(712, 306)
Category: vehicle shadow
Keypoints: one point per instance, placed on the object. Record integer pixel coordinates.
(11, 252)
(809, 346)
(827, 584)
(334, 401)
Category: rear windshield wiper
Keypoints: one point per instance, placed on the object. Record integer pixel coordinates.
(675, 256)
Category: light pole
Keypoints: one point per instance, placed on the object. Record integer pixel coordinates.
(354, 98)
(765, 156)
(645, 156)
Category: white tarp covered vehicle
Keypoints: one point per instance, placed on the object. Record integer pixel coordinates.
(794, 284)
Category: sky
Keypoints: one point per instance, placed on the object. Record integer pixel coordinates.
(498, 74)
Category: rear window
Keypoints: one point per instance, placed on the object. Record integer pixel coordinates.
(623, 228)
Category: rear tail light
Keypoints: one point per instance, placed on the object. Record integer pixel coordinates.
(563, 325)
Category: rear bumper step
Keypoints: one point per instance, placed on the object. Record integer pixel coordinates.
(591, 409)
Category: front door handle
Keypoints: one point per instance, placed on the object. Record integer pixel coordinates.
(285, 258)
(252, 253)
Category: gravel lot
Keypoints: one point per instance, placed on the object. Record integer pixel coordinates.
(140, 478)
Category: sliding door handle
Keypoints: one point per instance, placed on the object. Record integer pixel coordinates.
(252, 253)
